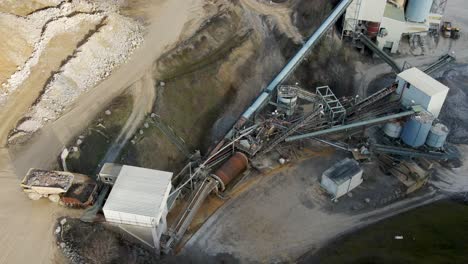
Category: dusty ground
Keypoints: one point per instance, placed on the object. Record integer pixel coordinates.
(281, 218)
(285, 215)
(438, 239)
(455, 12)
(215, 70)
(26, 226)
(43, 149)
(203, 63)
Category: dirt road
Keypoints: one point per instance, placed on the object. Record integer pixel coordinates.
(281, 218)
(51, 139)
(280, 14)
(144, 94)
(26, 226)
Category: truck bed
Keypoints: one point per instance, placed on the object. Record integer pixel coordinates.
(47, 182)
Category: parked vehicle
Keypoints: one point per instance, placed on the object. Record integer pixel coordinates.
(69, 189)
(447, 29)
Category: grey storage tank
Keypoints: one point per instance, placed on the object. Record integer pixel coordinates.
(437, 136)
(416, 129)
(393, 129)
(418, 10)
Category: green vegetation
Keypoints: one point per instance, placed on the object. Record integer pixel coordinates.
(153, 150)
(436, 233)
(99, 135)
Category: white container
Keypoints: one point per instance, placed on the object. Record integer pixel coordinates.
(341, 178)
(418, 88)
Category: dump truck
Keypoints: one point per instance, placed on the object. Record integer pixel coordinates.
(68, 189)
(40, 183)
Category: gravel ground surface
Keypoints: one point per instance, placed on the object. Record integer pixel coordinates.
(104, 48)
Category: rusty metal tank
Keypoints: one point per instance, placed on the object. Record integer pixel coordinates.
(232, 168)
(372, 29)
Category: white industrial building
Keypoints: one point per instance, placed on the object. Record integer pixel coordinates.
(387, 21)
(137, 203)
(341, 178)
(417, 88)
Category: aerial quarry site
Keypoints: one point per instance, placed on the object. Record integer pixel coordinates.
(232, 131)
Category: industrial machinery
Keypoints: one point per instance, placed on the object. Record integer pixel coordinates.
(42, 183)
(455, 33)
(448, 31)
(288, 113)
(70, 189)
(441, 62)
(228, 163)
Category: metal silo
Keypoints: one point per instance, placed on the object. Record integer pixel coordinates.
(418, 10)
(393, 129)
(416, 129)
(437, 136)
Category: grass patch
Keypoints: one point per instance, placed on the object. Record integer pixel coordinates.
(99, 135)
(153, 150)
(436, 233)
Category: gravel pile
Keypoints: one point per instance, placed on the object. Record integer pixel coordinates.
(93, 61)
(42, 26)
(455, 109)
(46, 178)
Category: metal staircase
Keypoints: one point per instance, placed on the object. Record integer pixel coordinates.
(352, 23)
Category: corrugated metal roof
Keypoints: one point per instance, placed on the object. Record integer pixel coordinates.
(343, 171)
(422, 81)
(140, 191)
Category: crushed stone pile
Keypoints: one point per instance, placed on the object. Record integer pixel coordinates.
(94, 60)
(454, 112)
(46, 178)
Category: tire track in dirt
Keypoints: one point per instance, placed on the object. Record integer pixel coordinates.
(281, 16)
(144, 94)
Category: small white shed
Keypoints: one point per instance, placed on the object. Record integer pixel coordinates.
(342, 178)
(138, 203)
(416, 86)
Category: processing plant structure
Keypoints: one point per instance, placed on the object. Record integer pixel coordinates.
(397, 126)
(385, 22)
(283, 114)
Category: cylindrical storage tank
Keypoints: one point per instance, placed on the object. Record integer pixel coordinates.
(372, 29)
(232, 168)
(416, 129)
(437, 136)
(393, 129)
(418, 10)
(291, 101)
